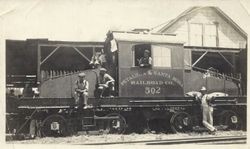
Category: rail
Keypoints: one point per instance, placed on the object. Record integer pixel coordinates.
(232, 139)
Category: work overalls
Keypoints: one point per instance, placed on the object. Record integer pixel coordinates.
(207, 113)
(81, 96)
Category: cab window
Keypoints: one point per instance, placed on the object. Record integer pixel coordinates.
(161, 56)
(139, 53)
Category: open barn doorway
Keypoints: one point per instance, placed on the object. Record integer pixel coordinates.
(62, 59)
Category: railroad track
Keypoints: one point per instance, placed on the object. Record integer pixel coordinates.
(195, 140)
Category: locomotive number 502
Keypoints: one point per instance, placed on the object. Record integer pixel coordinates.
(152, 90)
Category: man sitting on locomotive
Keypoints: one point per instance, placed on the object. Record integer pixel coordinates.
(81, 91)
(207, 111)
(146, 60)
(106, 83)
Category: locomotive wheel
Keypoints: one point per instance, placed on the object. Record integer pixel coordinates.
(116, 126)
(54, 126)
(231, 120)
(181, 122)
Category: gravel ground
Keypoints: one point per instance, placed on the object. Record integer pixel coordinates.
(84, 139)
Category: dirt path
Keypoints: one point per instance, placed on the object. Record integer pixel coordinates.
(83, 139)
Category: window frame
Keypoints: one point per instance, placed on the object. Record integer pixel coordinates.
(133, 53)
(190, 33)
(203, 34)
(153, 53)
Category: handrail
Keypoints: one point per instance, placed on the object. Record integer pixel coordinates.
(218, 74)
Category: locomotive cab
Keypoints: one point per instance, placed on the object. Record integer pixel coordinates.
(162, 78)
(166, 75)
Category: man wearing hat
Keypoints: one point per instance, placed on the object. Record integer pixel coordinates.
(106, 83)
(146, 60)
(207, 110)
(81, 90)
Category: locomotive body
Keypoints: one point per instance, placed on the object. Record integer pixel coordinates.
(144, 98)
(166, 77)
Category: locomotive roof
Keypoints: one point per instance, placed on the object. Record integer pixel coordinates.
(146, 37)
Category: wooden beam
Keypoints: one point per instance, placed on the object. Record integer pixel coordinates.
(226, 60)
(70, 45)
(213, 50)
(189, 36)
(217, 34)
(81, 54)
(38, 65)
(50, 55)
(199, 58)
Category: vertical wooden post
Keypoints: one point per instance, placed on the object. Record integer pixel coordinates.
(133, 56)
(203, 35)
(38, 76)
(234, 63)
(217, 34)
(224, 78)
(189, 36)
(94, 51)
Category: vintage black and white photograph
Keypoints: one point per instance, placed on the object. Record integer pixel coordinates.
(120, 73)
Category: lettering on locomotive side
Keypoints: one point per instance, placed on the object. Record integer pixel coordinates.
(151, 82)
(170, 80)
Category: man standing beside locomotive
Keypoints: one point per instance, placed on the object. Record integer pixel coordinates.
(146, 60)
(106, 83)
(81, 91)
(207, 111)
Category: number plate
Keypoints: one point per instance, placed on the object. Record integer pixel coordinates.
(152, 90)
(54, 126)
(234, 119)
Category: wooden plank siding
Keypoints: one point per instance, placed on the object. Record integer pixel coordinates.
(228, 36)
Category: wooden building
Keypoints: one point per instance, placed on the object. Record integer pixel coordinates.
(212, 39)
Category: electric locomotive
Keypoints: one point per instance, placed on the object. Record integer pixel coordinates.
(144, 98)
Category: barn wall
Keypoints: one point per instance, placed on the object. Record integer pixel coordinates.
(228, 36)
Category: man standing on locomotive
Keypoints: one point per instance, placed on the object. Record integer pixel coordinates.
(81, 91)
(106, 83)
(207, 111)
(146, 60)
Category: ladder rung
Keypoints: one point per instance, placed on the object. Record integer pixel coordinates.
(88, 117)
(106, 118)
(88, 125)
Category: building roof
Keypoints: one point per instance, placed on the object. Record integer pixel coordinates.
(194, 9)
(146, 37)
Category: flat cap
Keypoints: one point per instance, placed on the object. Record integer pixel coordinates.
(146, 51)
(82, 74)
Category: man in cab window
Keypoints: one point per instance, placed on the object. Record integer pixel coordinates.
(146, 60)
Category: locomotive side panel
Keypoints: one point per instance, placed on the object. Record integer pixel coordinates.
(63, 87)
(163, 79)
